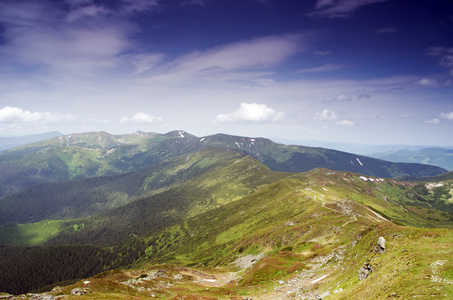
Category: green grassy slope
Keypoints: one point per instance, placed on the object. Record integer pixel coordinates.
(84, 156)
(95, 154)
(151, 213)
(191, 184)
(303, 235)
(81, 198)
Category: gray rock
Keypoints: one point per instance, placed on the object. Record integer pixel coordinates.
(42, 297)
(80, 291)
(365, 270)
(380, 247)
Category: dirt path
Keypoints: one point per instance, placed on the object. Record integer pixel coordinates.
(210, 279)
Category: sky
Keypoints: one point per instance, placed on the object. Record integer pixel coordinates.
(353, 71)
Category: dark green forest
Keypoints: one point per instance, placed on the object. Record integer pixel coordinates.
(33, 269)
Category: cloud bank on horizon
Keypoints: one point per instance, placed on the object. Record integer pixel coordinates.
(369, 71)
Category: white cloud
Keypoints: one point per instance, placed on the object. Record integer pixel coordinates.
(17, 116)
(339, 8)
(345, 123)
(343, 97)
(433, 121)
(141, 118)
(326, 115)
(447, 116)
(427, 82)
(252, 112)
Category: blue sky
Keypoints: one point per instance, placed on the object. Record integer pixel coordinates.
(363, 71)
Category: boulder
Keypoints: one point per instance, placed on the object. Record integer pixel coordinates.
(380, 247)
(80, 291)
(365, 270)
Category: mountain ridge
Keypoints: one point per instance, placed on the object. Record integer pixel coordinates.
(437, 156)
(95, 154)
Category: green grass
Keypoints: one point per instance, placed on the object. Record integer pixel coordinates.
(33, 234)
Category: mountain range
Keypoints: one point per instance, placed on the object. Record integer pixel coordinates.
(433, 156)
(78, 156)
(174, 216)
(12, 142)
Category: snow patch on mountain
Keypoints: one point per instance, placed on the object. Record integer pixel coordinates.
(359, 161)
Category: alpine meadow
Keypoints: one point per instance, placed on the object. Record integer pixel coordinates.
(226, 149)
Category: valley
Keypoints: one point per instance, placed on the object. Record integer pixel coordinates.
(175, 216)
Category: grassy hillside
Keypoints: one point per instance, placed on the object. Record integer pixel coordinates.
(86, 155)
(213, 223)
(302, 236)
(81, 198)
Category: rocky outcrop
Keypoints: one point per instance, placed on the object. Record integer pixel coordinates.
(42, 297)
(365, 270)
(380, 247)
(80, 291)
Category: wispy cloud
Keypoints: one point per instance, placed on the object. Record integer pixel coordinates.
(133, 6)
(386, 30)
(364, 96)
(321, 53)
(445, 56)
(80, 39)
(246, 60)
(339, 98)
(339, 8)
(433, 121)
(141, 118)
(251, 112)
(256, 53)
(427, 82)
(323, 68)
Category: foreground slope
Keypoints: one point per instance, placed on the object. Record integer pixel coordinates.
(306, 236)
(86, 155)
